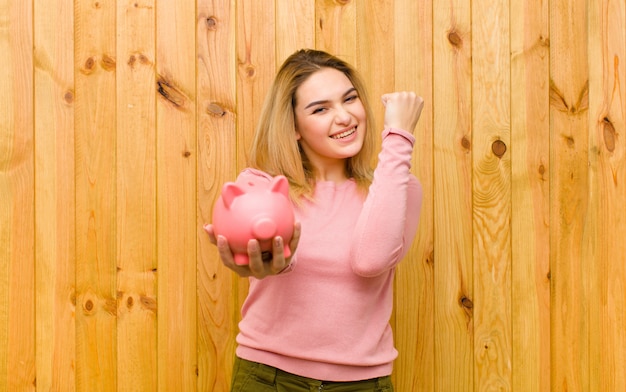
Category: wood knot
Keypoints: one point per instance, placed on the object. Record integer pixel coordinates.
(88, 306)
(455, 39)
(465, 143)
(89, 66)
(542, 172)
(142, 58)
(186, 154)
(430, 259)
(148, 303)
(609, 134)
(130, 302)
(110, 306)
(557, 99)
(466, 302)
(250, 71)
(68, 97)
(168, 91)
(499, 148)
(107, 63)
(211, 23)
(215, 110)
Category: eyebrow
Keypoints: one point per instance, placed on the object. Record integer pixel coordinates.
(326, 101)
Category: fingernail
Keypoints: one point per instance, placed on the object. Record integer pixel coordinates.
(278, 241)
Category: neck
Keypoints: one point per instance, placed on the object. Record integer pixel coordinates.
(334, 173)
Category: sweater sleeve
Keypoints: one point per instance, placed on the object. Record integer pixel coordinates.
(389, 219)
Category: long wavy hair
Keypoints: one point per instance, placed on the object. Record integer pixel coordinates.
(275, 149)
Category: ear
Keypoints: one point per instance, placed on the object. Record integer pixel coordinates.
(229, 192)
(280, 185)
(297, 134)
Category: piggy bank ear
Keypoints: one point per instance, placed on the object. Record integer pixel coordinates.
(229, 192)
(280, 185)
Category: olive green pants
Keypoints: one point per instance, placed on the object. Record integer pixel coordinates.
(255, 377)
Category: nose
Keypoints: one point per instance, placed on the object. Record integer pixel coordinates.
(342, 116)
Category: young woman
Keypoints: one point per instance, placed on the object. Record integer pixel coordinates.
(319, 320)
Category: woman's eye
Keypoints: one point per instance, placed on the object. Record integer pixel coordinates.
(351, 98)
(318, 110)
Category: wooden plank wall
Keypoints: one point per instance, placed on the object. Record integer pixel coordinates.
(121, 119)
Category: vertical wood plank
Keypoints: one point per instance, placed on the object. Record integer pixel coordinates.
(218, 287)
(414, 291)
(375, 54)
(95, 130)
(136, 197)
(530, 192)
(452, 84)
(256, 66)
(335, 28)
(491, 179)
(569, 194)
(54, 195)
(176, 151)
(607, 150)
(295, 27)
(17, 199)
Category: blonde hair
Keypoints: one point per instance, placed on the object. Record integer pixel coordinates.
(275, 149)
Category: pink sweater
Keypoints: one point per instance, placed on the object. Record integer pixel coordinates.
(328, 318)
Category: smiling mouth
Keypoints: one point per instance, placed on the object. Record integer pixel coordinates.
(344, 134)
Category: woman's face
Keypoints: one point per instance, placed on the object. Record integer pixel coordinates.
(330, 118)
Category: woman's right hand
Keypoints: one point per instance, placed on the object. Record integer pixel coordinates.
(257, 267)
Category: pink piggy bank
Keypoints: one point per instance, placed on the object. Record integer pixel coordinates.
(254, 210)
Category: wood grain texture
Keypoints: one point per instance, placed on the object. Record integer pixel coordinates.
(218, 287)
(95, 169)
(176, 206)
(335, 28)
(491, 196)
(375, 37)
(121, 120)
(295, 25)
(136, 197)
(607, 176)
(55, 200)
(256, 66)
(17, 199)
(414, 300)
(452, 193)
(569, 195)
(530, 196)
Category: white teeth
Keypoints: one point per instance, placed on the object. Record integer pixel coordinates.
(344, 134)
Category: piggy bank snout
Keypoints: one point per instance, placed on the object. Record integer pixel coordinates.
(264, 229)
